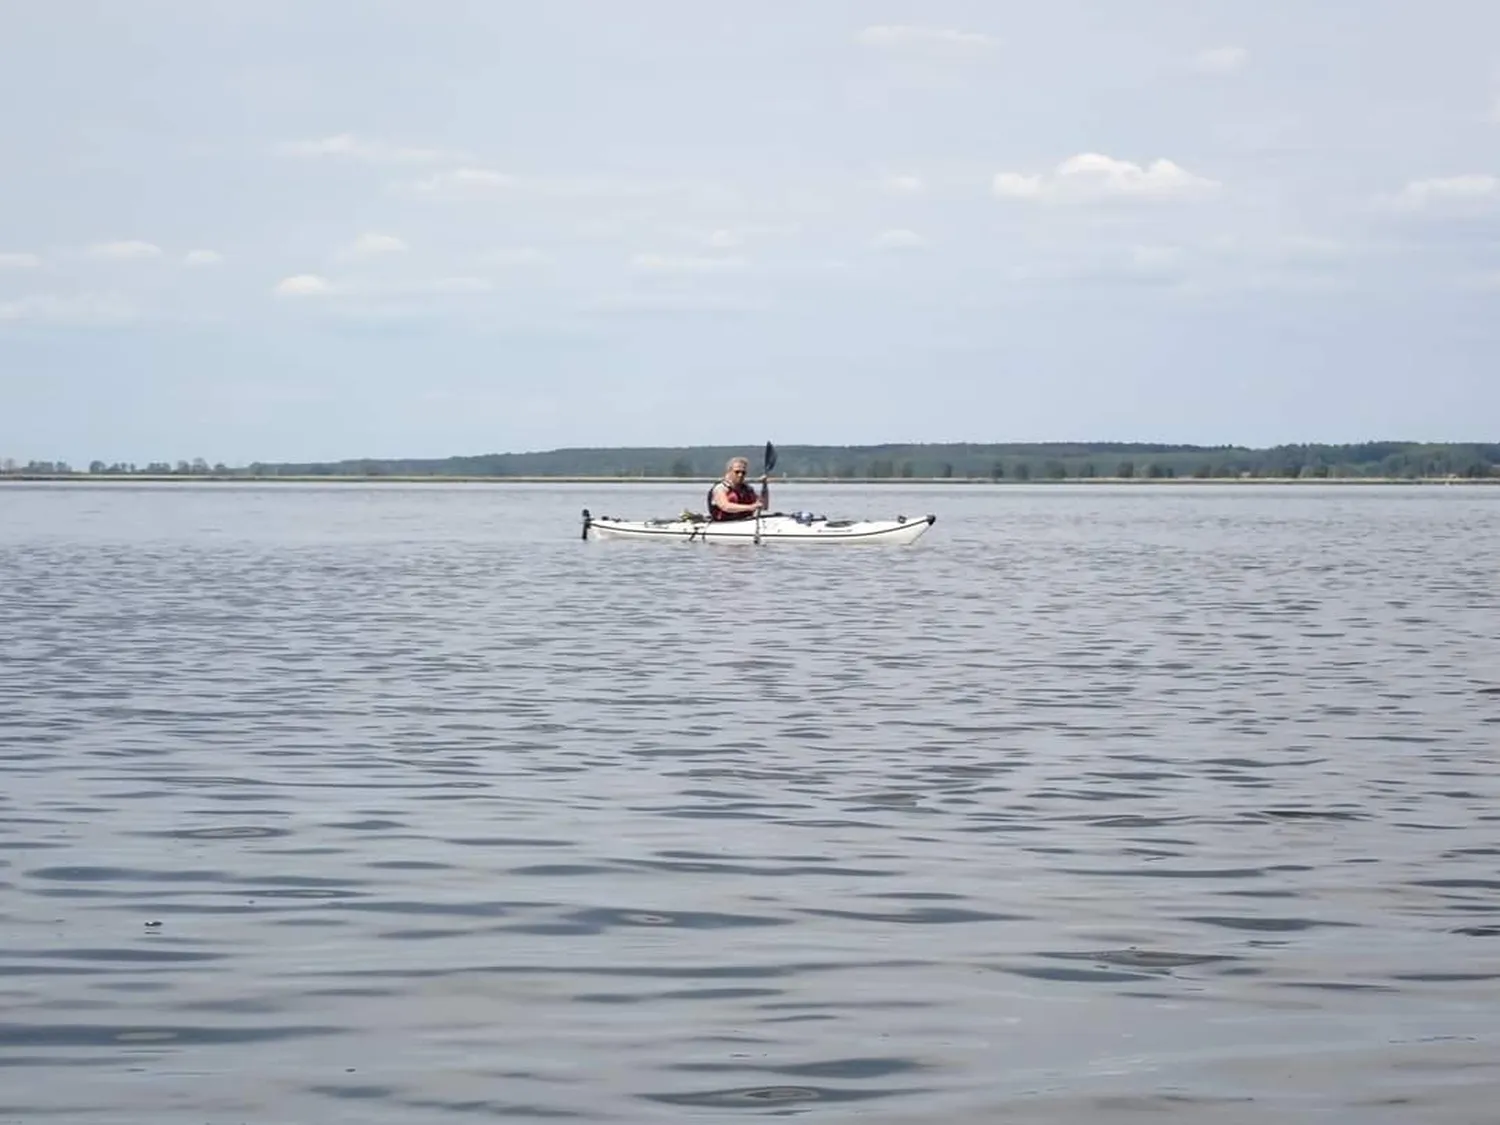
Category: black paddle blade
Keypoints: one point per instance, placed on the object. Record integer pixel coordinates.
(770, 460)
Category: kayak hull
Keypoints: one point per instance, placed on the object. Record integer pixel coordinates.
(775, 527)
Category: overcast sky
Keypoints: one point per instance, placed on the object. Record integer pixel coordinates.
(278, 230)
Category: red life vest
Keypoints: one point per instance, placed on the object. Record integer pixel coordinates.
(738, 494)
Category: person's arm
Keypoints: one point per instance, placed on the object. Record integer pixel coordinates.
(730, 505)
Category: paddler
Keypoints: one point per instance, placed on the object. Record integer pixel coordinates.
(731, 498)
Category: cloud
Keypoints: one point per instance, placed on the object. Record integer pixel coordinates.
(473, 182)
(447, 285)
(124, 250)
(900, 239)
(465, 183)
(303, 285)
(906, 37)
(671, 303)
(315, 285)
(905, 185)
(518, 256)
(1282, 249)
(1160, 266)
(372, 243)
(1013, 185)
(202, 258)
(1221, 60)
(1467, 193)
(1156, 259)
(1092, 176)
(79, 310)
(734, 237)
(664, 263)
(16, 261)
(349, 147)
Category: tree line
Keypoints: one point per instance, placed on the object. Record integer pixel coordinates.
(953, 461)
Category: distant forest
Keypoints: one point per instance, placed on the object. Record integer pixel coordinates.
(1008, 462)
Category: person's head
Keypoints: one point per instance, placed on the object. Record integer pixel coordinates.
(736, 468)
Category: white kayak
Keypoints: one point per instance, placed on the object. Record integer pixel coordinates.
(773, 527)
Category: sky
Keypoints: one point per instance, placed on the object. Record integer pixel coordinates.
(271, 230)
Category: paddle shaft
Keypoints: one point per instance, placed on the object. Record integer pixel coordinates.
(767, 464)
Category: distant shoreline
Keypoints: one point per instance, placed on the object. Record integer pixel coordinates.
(433, 478)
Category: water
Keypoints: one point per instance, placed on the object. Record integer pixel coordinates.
(400, 803)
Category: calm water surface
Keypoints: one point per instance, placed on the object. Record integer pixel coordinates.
(401, 804)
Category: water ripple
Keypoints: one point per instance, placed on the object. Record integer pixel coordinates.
(401, 803)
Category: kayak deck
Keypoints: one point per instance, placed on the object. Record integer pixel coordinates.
(773, 527)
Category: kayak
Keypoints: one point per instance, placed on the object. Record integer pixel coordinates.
(773, 527)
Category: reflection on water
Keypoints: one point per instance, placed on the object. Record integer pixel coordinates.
(395, 804)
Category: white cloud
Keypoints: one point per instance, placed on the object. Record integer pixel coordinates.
(906, 37)
(348, 146)
(465, 183)
(15, 261)
(1221, 60)
(372, 243)
(670, 303)
(518, 256)
(303, 285)
(905, 185)
(1446, 194)
(124, 250)
(733, 237)
(1156, 261)
(475, 182)
(202, 258)
(1161, 266)
(1289, 249)
(356, 288)
(1092, 176)
(900, 239)
(1013, 185)
(448, 285)
(664, 263)
(81, 310)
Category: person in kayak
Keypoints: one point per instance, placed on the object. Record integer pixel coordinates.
(731, 498)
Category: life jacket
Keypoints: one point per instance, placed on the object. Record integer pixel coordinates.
(738, 494)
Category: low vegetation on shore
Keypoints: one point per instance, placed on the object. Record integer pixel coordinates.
(1023, 462)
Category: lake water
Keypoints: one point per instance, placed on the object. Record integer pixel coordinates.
(394, 804)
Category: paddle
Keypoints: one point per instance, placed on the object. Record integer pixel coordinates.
(768, 463)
